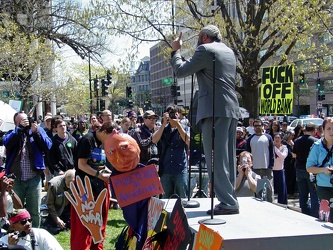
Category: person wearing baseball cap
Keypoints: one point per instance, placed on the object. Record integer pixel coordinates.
(144, 137)
(240, 141)
(23, 234)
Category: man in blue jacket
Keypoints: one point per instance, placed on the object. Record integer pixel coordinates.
(24, 153)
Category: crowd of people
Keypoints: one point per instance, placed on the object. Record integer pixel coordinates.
(295, 162)
(243, 157)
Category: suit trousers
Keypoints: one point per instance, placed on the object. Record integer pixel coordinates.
(224, 158)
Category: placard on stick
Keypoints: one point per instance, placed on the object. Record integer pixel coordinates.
(136, 185)
(208, 239)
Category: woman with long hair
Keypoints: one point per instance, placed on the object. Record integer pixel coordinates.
(281, 153)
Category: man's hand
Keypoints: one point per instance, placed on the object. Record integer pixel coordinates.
(4, 183)
(34, 127)
(89, 211)
(61, 223)
(104, 176)
(177, 43)
(13, 239)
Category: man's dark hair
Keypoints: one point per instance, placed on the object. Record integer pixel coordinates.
(108, 127)
(53, 120)
(309, 127)
(258, 121)
(57, 122)
(172, 107)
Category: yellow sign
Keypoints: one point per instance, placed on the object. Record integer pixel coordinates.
(277, 90)
(208, 239)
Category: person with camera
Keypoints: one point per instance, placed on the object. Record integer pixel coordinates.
(25, 146)
(246, 180)
(23, 234)
(173, 142)
(320, 162)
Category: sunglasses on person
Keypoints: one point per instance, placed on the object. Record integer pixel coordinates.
(23, 222)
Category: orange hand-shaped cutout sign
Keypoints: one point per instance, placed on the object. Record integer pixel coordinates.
(88, 210)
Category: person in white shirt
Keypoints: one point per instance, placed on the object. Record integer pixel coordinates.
(250, 129)
(280, 153)
(26, 236)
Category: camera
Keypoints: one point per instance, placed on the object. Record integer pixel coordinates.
(172, 114)
(31, 120)
(244, 161)
(11, 176)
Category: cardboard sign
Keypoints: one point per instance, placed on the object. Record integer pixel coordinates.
(88, 210)
(179, 234)
(155, 208)
(208, 239)
(136, 185)
(277, 90)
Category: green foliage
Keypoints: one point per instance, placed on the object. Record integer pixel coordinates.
(115, 225)
(261, 33)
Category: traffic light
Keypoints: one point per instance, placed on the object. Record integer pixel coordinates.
(109, 76)
(301, 78)
(174, 90)
(130, 104)
(318, 83)
(96, 86)
(129, 92)
(321, 97)
(105, 86)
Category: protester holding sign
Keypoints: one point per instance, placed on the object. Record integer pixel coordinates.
(91, 163)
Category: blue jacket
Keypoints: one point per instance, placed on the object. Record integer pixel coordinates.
(317, 154)
(40, 143)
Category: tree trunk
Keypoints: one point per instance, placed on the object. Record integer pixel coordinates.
(251, 100)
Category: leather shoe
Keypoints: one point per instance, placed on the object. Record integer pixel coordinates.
(223, 211)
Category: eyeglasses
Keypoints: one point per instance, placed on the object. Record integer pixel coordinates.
(151, 118)
(257, 125)
(23, 222)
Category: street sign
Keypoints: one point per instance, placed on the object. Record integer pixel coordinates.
(319, 104)
(167, 81)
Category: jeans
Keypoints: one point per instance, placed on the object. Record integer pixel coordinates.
(29, 192)
(175, 184)
(304, 188)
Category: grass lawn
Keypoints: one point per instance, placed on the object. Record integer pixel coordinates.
(114, 227)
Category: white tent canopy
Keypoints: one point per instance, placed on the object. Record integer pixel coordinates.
(6, 117)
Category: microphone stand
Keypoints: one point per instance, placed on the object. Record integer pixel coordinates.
(212, 220)
(190, 203)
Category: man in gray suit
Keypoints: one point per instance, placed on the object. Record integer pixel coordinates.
(226, 109)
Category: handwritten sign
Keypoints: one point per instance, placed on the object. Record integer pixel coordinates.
(277, 90)
(208, 239)
(179, 234)
(136, 185)
(88, 210)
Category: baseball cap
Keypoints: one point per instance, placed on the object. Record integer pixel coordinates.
(47, 117)
(122, 151)
(239, 129)
(149, 113)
